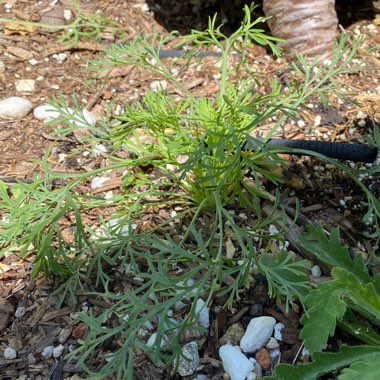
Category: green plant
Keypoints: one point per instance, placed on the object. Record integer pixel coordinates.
(84, 26)
(350, 300)
(196, 162)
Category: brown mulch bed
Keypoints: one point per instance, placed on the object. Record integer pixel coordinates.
(21, 142)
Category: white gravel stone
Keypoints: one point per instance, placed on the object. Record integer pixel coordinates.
(25, 85)
(99, 149)
(277, 331)
(47, 353)
(46, 112)
(57, 351)
(272, 344)
(98, 182)
(257, 333)
(188, 367)
(203, 313)
(10, 353)
(316, 271)
(152, 340)
(235, 363)
(14, 107)
(20, 312)
(89, 119)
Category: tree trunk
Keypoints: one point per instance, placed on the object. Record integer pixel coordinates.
(308, 26)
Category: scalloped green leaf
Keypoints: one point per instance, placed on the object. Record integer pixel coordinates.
(325, 305)
(327, 362)
(367, 369)
(330, 251)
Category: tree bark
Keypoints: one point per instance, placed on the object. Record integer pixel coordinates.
(308, 26)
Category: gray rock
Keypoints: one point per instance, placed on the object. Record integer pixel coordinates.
(188, 367)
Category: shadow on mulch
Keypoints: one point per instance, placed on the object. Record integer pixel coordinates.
(188, 15)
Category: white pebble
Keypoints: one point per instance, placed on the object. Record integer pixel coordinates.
(47, 353)
(98, 182)
(273, 230)
(316, 271)
(33, 62)
(67, 14)
(203, 313)
(25, 85)
(20, 312)
(84, 119)
(98, 150)
(57, 351)
(277, 331)
(272, 344)
(274, 353)
(235, 363)
(60, 57)
(14, 107)
(342, 202)
(188, 366)
(361, 115)
(10, 353)
(152, 340)
(46, 112)
(159, 85)
(317, 120)
(257, 334)
(300, 123)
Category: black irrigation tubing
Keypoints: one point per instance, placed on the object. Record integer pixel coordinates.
(339, 150)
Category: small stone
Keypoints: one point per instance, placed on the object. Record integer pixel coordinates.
(33, 62)
(152, 340)
(20, 312)
(84, 119)
(25, 85)
(361, 115)
(57, 351)
(98, 150)
(32, 359)
(46, 112)
(233, 335)
(64, 334)
(300, 123)
(159, 85)
(277, 331)
(47, 353)
(14, 107)
(316, 271)
(188, 367)
(203, 313)
(257, 333)
(262, 357)
(98, 182)
(10, 353)
(235, 363)
(67, 14)
(272, 344)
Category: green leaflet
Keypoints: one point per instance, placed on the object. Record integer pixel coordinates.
(363, 358)
(350, 286)
(286, 276)
(327, 303)
(369, 367)
(331, 252)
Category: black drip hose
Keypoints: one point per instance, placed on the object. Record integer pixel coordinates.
(343, 151)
